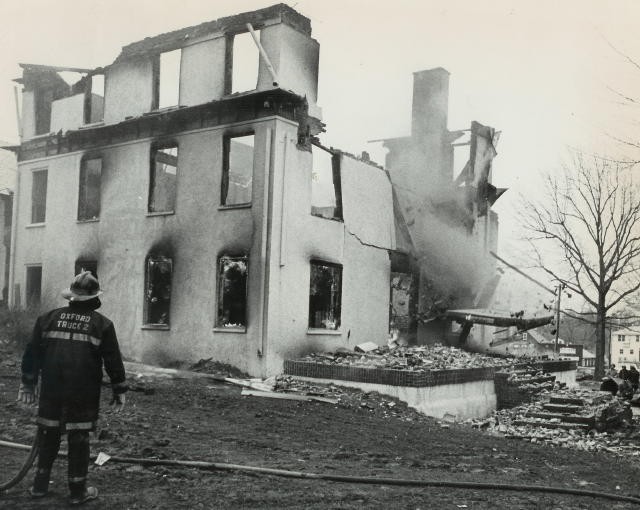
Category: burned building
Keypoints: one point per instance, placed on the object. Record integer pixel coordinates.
(189, 176)
(216, 222)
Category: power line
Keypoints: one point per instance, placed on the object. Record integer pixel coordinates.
(520, 272)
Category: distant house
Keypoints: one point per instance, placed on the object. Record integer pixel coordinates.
(8, 170)
(625, 347)
(588, 359)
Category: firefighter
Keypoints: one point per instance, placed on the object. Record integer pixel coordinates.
(634, 377)
(66, 352)
(608, 384)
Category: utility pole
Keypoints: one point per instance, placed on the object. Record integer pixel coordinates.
(610, 329)
(559, 290)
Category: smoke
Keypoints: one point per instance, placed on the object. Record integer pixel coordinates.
(448, 252)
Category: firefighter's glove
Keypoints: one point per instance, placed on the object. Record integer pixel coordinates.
(118, 402)
(26, 394)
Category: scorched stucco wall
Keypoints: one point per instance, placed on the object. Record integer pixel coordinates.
(202, 71)
(195, 236)
(128, 90)
(297, 238)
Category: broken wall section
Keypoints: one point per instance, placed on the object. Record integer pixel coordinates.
(200, 71)
(59, 99)
(447, 215)
(207, 62)
(367, 209)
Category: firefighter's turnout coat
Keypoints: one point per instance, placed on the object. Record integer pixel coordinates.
(67, 351)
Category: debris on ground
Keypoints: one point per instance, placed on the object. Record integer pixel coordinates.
(253, 383)
(366, 347)
(516, 386)
(286, 396)
(210, 366)
(421, 358)
(573, 418)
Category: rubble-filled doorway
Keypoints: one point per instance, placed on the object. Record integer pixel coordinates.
(401, 308)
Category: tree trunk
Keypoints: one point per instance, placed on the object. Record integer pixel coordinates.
(600, 340)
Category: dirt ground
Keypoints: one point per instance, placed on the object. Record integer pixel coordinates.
(200, 419)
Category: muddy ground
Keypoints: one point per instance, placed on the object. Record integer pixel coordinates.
(201, 419)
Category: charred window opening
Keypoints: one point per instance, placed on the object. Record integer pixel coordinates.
(83, 265)
(38, 196)
(326, 199)
(237, 171)
(167, 79)
(245, 60)
(159, 270)
(325, 295)
(232, 292)
(34, 286)
(43, 100)
(163, 178)
(89, 189)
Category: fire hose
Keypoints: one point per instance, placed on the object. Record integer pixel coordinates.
(33, 453)
(217, 466)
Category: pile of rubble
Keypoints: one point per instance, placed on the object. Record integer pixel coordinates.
(572, 418)
(435, 357)
(288, 388)
(518, 385)
(373, 402)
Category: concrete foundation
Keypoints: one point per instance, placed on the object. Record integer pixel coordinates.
(475, 399)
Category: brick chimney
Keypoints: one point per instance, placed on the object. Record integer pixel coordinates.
(430, 102)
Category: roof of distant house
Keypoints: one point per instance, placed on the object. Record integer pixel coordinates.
(635, 331)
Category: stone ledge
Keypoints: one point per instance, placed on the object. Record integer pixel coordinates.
(412, 378)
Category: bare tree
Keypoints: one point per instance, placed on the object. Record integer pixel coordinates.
(590, 223)
(626, 100)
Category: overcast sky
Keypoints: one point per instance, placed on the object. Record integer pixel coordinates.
(539, 71)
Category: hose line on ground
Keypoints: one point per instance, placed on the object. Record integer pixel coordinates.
(33, 453)
(217, 466)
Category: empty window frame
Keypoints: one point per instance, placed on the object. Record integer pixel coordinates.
(94, 99)
(325, 295)
(42, 110)
(163, 177)
(89, 189)
(245, 62)
(326, 195)
(157, 303)
(237, 169)
(82, 265)
(167, 79)
(38, 196)
(232, 292)
(34, 286)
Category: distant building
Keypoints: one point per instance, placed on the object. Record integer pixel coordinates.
(588, 359)
(625, 347)
(8, 170)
